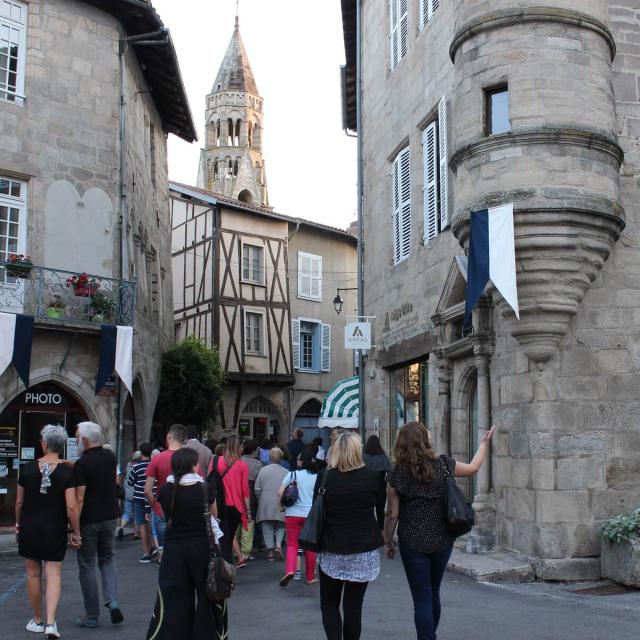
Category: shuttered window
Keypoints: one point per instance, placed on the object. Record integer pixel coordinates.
(311, 345)
(309, 276)
(427, 9)
(398, 31)
(401, 206)
(435, 164)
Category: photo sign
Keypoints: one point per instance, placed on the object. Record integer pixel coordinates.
(357, 335)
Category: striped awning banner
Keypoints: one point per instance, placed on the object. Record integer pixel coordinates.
(341, 406)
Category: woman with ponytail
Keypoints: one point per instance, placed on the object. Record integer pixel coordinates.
(183, 611)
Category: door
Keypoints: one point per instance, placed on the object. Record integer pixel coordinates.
(260, 429)
(31, 424)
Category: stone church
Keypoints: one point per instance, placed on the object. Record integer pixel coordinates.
(231, 163)
(468, 105)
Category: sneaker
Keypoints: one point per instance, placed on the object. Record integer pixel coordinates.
(115, 613)
(51, 631)
(88, 623)
(120, 534)
(35, 627)
(145, 559)
(298, 575)
(154, 552)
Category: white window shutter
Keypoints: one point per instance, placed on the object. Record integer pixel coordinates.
(304, 274)
(404, 29)
(316, 278)
(326, 347)
(424, 13)
(295, 339)
(405, 203)
(443, 168)
(394, 30)
(396, 210)
(430, 182)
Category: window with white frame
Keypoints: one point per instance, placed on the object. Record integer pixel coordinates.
(311, 345)
(13, 227)
(254, 333)
(435, 165)
(252, 263)
(13, 45)
(401, 206)
(398, 31)
(427, 9)
(309, 276)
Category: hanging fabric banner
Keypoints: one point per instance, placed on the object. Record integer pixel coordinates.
(492, 256)
(116, 354)
(16, 338)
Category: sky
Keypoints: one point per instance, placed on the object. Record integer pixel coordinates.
(295, 49)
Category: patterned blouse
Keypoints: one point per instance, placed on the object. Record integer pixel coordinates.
(354, 567)
(421, 524)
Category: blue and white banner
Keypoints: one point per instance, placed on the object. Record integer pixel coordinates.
(16, 337)
(492, 256)
(116, 354)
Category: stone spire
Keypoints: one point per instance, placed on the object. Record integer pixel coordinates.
(231, 162)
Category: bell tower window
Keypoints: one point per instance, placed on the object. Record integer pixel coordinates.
(236, 141)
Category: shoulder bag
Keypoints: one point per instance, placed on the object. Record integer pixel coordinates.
(220, 573)
(290, 494)
(311, 535)
(459, 514)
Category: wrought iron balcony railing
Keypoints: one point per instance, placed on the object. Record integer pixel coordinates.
(53, 296)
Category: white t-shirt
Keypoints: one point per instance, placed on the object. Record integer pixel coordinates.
(306, 484)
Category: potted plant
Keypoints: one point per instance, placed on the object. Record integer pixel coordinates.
(620, 550)
(55, 307)
(102, 307)
(19, 266)
(83, 285)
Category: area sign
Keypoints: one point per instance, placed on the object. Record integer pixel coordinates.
(357, 335)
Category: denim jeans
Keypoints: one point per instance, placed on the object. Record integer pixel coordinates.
(424, 574)
(97, 545)
(160, 525)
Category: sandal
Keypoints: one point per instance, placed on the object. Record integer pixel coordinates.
(286, 579)
(314, 581)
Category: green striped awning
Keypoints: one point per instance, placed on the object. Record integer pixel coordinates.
(341, 406)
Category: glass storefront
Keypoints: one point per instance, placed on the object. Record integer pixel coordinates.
(20, 426)
(410, 396)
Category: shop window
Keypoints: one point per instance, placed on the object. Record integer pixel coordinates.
(410, 395)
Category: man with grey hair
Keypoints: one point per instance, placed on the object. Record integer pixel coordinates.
(96, 492)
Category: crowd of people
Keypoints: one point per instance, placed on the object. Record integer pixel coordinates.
(237, 497)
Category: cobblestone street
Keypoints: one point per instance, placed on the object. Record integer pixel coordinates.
(260, 609)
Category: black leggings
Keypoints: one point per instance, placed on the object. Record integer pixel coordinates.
(230, 523)
(331, 591)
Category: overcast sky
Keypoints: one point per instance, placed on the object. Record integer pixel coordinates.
(295, 48)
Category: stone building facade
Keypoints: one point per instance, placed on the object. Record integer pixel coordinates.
(61, 189)
(231, 162)
(259, 286)
(468, 105)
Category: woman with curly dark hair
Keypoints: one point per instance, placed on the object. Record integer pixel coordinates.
(415, 504)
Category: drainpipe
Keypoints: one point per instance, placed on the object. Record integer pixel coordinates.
(153, 38)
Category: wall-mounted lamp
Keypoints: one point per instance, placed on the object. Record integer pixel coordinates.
(338, 302)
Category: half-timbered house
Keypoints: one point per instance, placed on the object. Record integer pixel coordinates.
(259, 286)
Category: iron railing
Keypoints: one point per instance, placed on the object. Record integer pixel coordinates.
(53, 296)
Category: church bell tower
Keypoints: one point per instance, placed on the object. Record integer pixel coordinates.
(231, 162)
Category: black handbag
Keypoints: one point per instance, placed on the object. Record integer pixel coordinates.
(220, 573)
(311, 535)
(290, 494)
(459, 514)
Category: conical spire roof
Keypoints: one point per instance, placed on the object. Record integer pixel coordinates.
(235, 71)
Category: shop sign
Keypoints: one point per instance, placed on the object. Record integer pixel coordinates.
(110, 388)
(8, 443)
(357, 335)
(244, 427)
(42, 396)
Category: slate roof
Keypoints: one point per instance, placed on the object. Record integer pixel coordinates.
(235, 72)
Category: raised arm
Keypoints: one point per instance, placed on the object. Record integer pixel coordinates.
(468, 469)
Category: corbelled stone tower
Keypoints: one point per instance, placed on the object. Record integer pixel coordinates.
(231, 162)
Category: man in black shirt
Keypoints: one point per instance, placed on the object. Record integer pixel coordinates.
(95, 478)
(295, 446)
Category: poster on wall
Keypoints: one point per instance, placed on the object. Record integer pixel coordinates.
(72, 449)
(4, 473)
(244, 427)
(8, 442)
(28, 453)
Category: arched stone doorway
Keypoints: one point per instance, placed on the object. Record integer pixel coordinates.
(259, 420)
(20, 424)
(307, 419)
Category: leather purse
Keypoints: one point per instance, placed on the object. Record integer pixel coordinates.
(310, 537)
(459, 514)
(290, 494)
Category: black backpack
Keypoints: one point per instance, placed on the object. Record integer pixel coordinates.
(215, 480)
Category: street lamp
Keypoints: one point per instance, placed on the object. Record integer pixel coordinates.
(338, 302)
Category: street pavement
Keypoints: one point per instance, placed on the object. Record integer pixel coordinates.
(261, 609)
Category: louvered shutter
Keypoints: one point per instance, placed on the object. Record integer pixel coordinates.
(404, 29)
(424, 12)
(304, 274)
(433, 5)
(443, 163)
(396, 210)
(394, 33)
(295, 340)
(316, 277)
(405, 204)
(430, 193)
(326, 347)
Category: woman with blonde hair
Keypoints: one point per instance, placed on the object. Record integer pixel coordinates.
(415, 503)
(349, 557)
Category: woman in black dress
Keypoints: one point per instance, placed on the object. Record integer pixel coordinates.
(46, 499)
(183, 611)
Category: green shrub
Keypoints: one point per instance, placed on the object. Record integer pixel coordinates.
(622, 527)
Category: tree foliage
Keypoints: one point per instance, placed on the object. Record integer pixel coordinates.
(191, 384)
